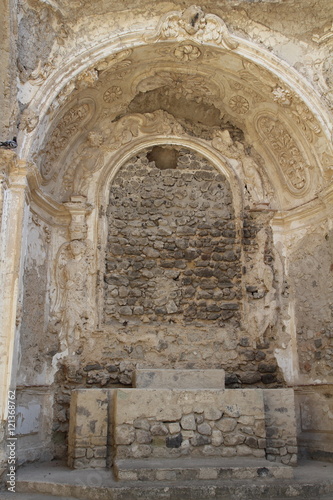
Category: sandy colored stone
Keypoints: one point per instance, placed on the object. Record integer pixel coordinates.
(179, 379)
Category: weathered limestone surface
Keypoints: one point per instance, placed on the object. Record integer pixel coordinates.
(197, 469)
(88, 431)
(314, 411)
(178, 379)
(189, 423)
(280, 421)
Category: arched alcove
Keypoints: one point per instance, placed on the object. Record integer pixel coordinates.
(249, 119)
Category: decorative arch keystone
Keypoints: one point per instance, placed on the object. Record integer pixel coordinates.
(194, 24)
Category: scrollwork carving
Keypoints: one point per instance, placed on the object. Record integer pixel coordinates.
(194, 23)
(177, 85)
(90, 156)
(287, 153)
(68, 126)
(298, 110)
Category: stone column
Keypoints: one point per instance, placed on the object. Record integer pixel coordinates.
(8, 69)
(12, 237)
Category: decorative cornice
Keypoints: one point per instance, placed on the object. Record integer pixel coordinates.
(312, 212)
(325, 38)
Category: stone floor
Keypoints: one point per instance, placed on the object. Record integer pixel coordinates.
(312, 481)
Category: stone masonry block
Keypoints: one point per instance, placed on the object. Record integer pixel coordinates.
(280, 417)
(179, 379)
(88, 422)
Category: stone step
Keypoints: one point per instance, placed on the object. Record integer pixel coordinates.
(31, 496)
(178, 379)
(312, 481)
(190, 469)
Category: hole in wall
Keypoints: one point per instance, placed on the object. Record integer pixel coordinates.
(164, 157)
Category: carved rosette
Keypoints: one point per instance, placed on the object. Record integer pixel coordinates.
(288, 156)
(193, 23)
(187, 52)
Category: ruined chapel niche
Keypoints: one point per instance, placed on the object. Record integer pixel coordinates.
(173, 253)
(174, 292)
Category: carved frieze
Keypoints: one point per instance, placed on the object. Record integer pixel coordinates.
(90, 156)
(248, 91)
(293, 165)
(185, 85)
(194, 23)
(68, 126)
(299, 111)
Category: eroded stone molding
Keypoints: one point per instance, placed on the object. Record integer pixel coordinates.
(292, 164)
(68, 126)
(28, 120)
(73, 314)
(91, 155)
(177, 84)
(256, 184)
(193, 23)
(324, 38)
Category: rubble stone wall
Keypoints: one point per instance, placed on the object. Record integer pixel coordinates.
(173, 251)
(188, 282)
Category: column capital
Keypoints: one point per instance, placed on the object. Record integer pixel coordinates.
(79, 209)
(17, 172)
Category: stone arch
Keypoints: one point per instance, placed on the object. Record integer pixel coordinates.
(102, 187)
(277, 224)
(274, 73)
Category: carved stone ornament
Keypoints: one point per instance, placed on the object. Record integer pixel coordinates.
(68, 126)
(258, 188)
(183, 85)
(90, 156)
(193, 23)
(286, 152)
(28, 120)
(299, 111)
(41, 72)
(326, 37)
(187, 52)
(73, 310)
(79, 209)
(239, 104)
(87, 79)
(113, 93)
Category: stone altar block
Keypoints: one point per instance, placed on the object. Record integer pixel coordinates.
(135, 428)
(189, 422)
(179, 379)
